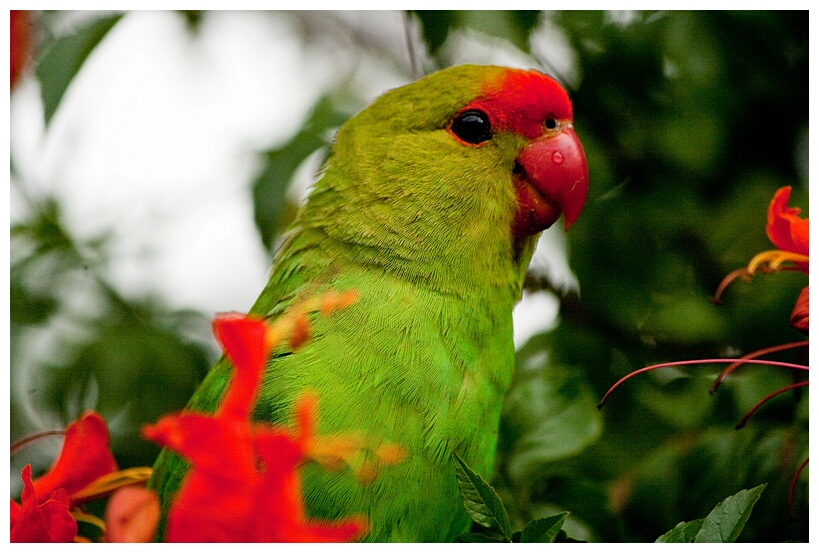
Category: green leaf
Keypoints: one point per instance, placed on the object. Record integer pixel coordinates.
(548, 416)
(514, 26)
(726, 521)
(127, 360)
(193, 19)
(722, 525)
(27, 306)
(526, 20)
(684, 532)
(544, 530)
(508, 25)
(435, 25)
(280, 164)
(62, 59)
(480, 500)
(480, 538)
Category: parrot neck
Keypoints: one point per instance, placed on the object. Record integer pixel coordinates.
(479, 261)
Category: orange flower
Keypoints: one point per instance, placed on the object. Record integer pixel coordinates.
(248, 488)
(20, 32)
(786, 230)
(41, 520)
(131, 515)
(789, 232)
(85, 456)
(44, 510)
(799, 315)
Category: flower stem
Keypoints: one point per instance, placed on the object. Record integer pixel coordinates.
(700, 362)
(762, 401)
(792, 486)
(18, 445)
(759, 353)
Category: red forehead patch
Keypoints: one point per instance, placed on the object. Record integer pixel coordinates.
(520, 101)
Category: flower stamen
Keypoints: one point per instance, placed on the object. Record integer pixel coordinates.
(105, 485)
(769, 261)
(87, 518)
(792, 486)
(20, 444)
(701, 362)
(765, 399)
(753, 355)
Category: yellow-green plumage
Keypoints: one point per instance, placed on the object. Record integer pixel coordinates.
(419, 224)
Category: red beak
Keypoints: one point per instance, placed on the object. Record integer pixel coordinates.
(552, 179)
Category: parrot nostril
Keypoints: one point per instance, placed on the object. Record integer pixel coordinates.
(518, 169)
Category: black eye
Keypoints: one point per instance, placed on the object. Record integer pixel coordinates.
(472, 126)
(550, 124)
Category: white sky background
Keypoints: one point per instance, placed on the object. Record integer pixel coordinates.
(155, 144)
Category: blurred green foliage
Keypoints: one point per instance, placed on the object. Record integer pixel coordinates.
(674, 111)
(131, 359)
(690, 121)
(63, 57)
(271, 211)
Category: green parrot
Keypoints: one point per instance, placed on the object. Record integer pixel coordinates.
(429, 206)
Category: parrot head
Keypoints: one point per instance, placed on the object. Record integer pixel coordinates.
(549, 172)
(462, 161)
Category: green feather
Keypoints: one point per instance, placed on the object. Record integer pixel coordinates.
(418, 224)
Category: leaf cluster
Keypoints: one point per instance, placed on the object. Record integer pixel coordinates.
(723, 524)
(485, 507)
(680, 185)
